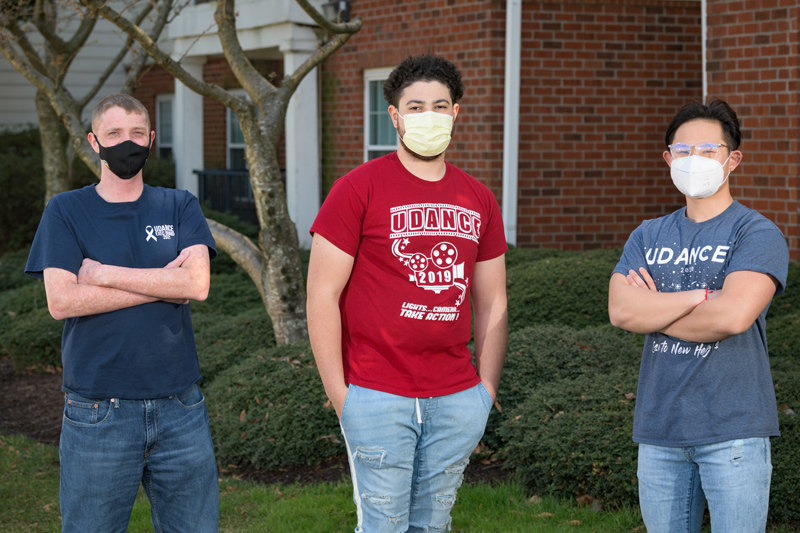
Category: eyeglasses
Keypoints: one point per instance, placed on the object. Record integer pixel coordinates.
(708, 150)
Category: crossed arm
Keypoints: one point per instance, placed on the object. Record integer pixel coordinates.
(635, 304)
(102, 288)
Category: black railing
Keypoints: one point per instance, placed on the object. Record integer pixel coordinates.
(228, 191)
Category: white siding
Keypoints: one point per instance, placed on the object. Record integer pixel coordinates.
(17, 94)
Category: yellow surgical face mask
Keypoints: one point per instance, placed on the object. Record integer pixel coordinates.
(428, 133)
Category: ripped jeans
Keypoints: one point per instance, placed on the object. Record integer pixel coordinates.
(407, 455)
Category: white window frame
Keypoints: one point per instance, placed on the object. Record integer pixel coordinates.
(375, 74)
(160, 143)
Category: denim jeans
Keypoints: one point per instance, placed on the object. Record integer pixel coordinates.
(109, 446)
(408, 455)
(734, 476)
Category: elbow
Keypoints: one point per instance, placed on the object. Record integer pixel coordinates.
(618, 318)
(57, 310)
(201, 292)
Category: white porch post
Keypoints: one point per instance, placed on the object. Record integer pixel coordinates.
(302, 148)
(188, 129)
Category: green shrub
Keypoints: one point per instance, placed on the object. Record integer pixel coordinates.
(12, 269)
(269, 411)
(784, 501)
(33, 341)
(570, 288)
(546, 353)
(22, 183)
(572, 437)
(225, 340)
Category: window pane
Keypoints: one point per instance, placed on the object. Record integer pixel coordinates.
(378, 153)
(237, 161)
(164, 126)
(381, 129)
(234, 131)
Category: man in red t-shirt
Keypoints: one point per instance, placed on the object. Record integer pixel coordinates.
(401, 246)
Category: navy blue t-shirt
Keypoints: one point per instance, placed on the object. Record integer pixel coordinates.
(694, 393)
(145, 351)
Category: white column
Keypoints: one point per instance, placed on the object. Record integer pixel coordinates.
(511, 118)
(302, 149)
(188, 129)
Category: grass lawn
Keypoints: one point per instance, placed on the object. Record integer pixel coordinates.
(29, 492)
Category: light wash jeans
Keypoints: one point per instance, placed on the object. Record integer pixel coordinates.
(734, 476)
(408, 455)
(109, 446)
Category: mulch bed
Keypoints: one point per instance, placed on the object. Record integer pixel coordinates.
(32, 405)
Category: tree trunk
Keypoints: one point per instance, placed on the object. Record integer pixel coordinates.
(54, 155)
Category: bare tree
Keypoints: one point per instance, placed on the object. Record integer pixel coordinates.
(46, 65)
(273, 264)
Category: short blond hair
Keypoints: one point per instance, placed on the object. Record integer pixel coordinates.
(125, 101)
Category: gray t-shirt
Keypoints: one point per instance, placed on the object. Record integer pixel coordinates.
(690, 393)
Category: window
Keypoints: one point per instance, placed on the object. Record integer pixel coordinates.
(380, 137)
(236, 144)
(164, 125)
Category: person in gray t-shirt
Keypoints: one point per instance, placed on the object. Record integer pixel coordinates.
(699, 282)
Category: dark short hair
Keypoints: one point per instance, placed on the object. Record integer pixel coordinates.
(424, 67)
(125, 101)
(718, 111)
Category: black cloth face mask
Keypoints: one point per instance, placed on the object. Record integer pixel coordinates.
(125, 159)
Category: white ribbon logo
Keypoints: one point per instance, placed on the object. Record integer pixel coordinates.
(150, 234)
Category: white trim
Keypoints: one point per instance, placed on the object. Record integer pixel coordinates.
(511, 118)
(374, 74)
(703, 37)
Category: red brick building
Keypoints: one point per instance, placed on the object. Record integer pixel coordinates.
(567, 102)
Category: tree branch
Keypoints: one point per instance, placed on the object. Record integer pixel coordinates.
(63, 103)
(45, 20)
(206, 89)
(331, 27)
(242, 251)
(18, 36)
(247, 75)
(290, 83)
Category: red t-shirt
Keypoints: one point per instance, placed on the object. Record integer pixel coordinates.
(406, 309)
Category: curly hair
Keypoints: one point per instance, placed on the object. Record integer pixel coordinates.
(424, 67)
(717, 111)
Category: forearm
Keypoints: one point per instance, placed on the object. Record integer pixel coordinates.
(158, 283)
(714, 320)
(491, 342)
(643, 311)
(325, 335)
(85, 300)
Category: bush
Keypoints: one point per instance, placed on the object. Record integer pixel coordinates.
(568, 288)
(223, 340)
(784, 501)
(572, 437)
(269, 411)
(541, 354)
(22, 183)
(33, 341)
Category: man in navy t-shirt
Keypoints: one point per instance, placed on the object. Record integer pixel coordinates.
(699, 282)
(120, 261)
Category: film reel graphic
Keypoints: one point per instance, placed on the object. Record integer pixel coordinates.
(437, 271)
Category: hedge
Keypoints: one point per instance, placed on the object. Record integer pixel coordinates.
(270, 411)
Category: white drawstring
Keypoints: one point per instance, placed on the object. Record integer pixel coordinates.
(419, 415)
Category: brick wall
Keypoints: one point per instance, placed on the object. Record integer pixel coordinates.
(469, 33)
(599, 83)
(154, 81)
(754, 64)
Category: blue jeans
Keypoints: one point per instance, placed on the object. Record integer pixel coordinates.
(109, 446)
(407, 455)
(734, 476)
